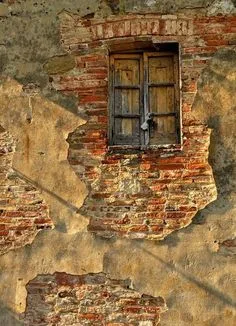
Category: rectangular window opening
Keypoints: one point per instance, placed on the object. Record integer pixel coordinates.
(144, 96)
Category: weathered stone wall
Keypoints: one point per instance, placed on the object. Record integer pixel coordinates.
(56, 167)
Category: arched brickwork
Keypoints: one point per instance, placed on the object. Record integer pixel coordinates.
(142, 194)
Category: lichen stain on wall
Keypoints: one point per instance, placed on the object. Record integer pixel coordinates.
(192, 269)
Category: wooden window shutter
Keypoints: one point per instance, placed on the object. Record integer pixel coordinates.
(126, 84)
(162, 97)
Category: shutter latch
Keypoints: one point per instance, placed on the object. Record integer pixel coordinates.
(148, 119)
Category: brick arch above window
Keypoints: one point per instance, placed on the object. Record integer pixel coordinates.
(75, 30)
(137, 194)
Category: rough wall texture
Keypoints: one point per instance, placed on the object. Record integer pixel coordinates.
(90, 299)
(23, 211)
(38, 151)
(44, 58)
(143, 194)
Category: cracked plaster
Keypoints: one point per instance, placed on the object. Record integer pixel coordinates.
(185, 266)
(187, 269)
(41, 155)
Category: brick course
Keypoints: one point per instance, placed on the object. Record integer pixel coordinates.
(23, 212)
(140, 194)
(91, 299)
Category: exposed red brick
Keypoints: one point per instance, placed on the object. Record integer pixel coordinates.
(132, 195)
(91, 299)
(21, 204)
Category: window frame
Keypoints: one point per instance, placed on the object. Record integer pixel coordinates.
(144, 55)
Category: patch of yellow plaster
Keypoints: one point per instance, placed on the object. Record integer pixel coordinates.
(41, 151)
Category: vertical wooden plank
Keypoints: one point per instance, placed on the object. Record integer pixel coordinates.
(177, 99)
(127, 100)
(161, 69)
(162, 99)
(111, 123)
(127, 71)
(141, 100)
(146, 96)
(165, 132)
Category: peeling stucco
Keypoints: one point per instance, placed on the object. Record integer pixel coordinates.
(90, 299)
(41, 158)
(190, 269)
(23, 211)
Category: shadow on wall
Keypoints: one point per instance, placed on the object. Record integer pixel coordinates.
(8, 317)
(214, 104)
(31, 45)
(51, 193)
(208, 288)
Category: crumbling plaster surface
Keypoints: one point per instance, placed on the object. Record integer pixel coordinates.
(215, 105)
(23, 211)
(40, 129)
(90, 299)
(189, 269)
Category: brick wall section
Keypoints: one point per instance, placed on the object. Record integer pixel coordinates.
(143, 194)
(140, 194)
(92, 299)
(23, 212)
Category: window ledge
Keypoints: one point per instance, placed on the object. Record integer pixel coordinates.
(169, 148)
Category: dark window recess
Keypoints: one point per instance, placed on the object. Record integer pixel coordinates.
(145, 97)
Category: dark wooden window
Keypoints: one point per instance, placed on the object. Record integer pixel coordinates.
(144, 98)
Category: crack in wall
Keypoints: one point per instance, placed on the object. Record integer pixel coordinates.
(193, 249)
